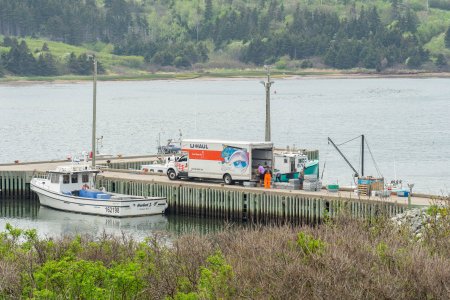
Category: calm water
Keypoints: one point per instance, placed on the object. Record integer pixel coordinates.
(406, 121)
(49, 222)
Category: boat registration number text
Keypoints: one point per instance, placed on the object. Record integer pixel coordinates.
(112, 209)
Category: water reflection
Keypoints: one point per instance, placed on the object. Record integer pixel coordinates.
(27, 214)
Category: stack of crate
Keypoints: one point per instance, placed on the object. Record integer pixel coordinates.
(363, 189)
(368, 184)
(312, 184)
(293, 184)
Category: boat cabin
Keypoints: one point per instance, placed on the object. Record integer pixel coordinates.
(289, 162)
(71, 178)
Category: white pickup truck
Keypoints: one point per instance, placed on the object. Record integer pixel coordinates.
(225, 160)
(159, 167)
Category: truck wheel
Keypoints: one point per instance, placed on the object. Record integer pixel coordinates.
(171, 174)
(227, 179)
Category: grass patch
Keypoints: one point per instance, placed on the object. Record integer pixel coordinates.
(103, 52)
(99, 47)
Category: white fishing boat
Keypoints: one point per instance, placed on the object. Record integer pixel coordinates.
(70, 188)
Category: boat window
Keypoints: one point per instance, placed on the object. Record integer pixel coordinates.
(66, 178)
(54, 178)
(85, 178)
(74, 178)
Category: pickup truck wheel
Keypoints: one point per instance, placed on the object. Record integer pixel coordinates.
(171, 174)
(227, 179)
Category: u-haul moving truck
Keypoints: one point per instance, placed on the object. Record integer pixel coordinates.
(229, 161)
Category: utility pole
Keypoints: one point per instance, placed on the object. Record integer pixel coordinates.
(410, 186)
(267, 84)
(362, 155)
(99, 144)
(94, 110)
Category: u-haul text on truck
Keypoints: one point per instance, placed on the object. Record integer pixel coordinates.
(226, 160)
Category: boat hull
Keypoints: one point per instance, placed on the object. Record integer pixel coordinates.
(112, 208)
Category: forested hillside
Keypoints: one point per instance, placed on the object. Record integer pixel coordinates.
(340, 34)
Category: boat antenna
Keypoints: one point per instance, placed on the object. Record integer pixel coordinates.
(94, 106)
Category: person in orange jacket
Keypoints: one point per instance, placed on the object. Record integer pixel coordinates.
(267, 178)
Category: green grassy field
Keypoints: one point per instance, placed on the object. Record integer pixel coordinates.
(102, 51)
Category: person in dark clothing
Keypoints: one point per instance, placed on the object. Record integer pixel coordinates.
(261, 172)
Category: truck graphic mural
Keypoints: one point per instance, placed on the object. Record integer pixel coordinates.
(235, 159)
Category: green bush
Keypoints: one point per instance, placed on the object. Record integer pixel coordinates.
(306, 64)
(81, 279)
(76, 279)
(215, 281)
(309, 245)
(281, 64)
(435, 210)
(124, 281)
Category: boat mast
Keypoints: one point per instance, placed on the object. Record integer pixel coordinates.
(94, 109)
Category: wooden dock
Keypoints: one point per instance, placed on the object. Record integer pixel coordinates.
(211, 199)
(15, 178)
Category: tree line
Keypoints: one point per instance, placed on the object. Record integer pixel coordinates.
(19, 60)
(182, 33)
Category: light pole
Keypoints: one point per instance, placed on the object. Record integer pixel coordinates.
(410, 186)
(94, 109)
(267, 84)
(99, 144)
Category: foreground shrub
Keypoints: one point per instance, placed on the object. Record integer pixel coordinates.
(310, 245)
(75, 279)
(437, 233)
(214, 283)
(343, 259)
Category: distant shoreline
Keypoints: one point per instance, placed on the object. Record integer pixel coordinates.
(224, 74)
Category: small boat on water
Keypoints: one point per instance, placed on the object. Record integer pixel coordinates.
(172, 146)
(71, 188)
